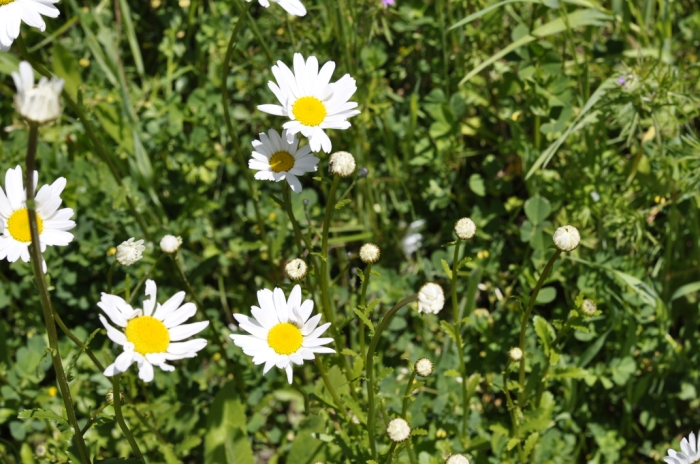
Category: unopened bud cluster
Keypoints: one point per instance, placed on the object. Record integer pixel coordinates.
(369, 253)
(341, 163)
(398, 430)
(424, 367)
(465, 229)
(566, 238)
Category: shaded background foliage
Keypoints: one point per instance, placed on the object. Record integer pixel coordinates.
(592, 121)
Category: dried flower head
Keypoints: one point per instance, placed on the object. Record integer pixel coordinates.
(369, 253)
(424, 367)
(515, 354)
(566, 238)
(431, 298)
(341, 164)
(465, 228)
(398, 430)
(170, 244)
(296, 269)
(129, 252)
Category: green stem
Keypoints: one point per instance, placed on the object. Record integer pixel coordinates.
(298, 387)
(225, 68)
(363, 305)
(120, 418)
(37, 264)
(407, 394)
(524, 321)
(458, 332)
(325, 296)
(390, 456)
(109, 276)
(329, 386)
(298, 234)
(370, 370)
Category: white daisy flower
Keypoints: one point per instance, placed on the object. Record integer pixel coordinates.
(41, 103)
(312, 103)
(13, 12)
(152, 335)
(130, 251)
(277, 158)
(293, 7)
(52, 222)
(281, 332)
(689, 454)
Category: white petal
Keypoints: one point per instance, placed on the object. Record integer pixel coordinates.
(149, 305)
(187, 330)
(169, 307)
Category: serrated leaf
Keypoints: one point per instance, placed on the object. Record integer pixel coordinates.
(315, 253)
(361, 275)
(449, 329)
(530, 443)
(579, 299)
(419, 432)
(544, 331)
(342, 203)
(349, 352)
(40, 414)
(446, 268)
(463, 262)
(364, 319)
(371, 305)
(512, 443)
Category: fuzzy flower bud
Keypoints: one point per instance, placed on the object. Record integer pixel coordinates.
(465, 228)
(457, 459)
(129, 252)
(588, 307)
(341, 164)
(431, 298)
(369, 253)
(170, 244)
(296, 269)
(515, 354)
(566, 238)
(424, 367)
(40, 104)
(109, 396)
(398, 430)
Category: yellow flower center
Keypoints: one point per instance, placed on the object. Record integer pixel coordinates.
(18, 224)
(285, 338)
(5, 2)
(148, 335)
(281, 161)
(310, 111)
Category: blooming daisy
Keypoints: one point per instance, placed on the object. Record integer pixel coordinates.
(281, 332)
(152, 335)
(293, 7)
(53, 223)
(312, 103)
(13, 12)
(277, 158)
(689, 454)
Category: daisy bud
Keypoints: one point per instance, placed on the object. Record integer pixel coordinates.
(40, 450)
(296, 269)
(129, 252)
(515, 354)
(398, 430)
(588, 307)
(109, 396)
(566, 238)
(369, 253)
(424, 367)
(465, 228)
(431, 298)
(457, 459)
(362, 173)
(37, 104)
(341, 164)
(170, 244)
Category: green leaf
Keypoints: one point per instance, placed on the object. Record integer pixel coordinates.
(546, 295)
(349, 352)
(342, 203)
(446, 268)
(225, 438)
(483, 11)
(530, 443)
(685, 290)
(451, 373)
(447, 327)
(544, 331)
(364, 319)
(588, 355)
(537, 209)
(66, 66)
(512, 443)
(419, 432)
(305, 445)
(571, 372)
(477, 185)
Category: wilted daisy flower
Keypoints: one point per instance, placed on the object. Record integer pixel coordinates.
(398, 430)
(170, 244)
(152, 335)
(129, 252)
(431, 298)
(13, 12)
(312, 103)
(566, 238)
(293, 7)
(690, 451)
(296, 269)
(281, 332)
(369, 253)
(457, 459)
(424, 367)
(53, 224)
(277, 158)
(40, 104)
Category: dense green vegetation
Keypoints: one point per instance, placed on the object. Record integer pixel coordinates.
(522, 115)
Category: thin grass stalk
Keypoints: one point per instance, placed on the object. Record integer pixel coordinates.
(371, 426)
(47, 307)
(120, 418)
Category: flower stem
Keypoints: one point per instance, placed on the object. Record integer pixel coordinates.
(120, 418)
(524, 321)
(458, 333)
(330, 388)
(407, 394)
(390, 456)
(370, 370)
(330, 206)
(37, 264)
(225, 68)
(109, 276)
(299, 235)
(363, 305)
